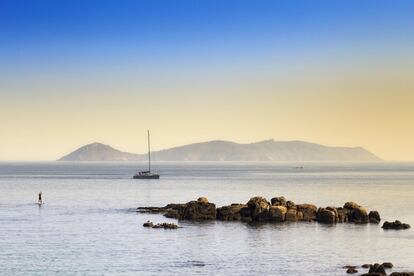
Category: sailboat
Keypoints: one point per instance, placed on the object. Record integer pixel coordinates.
(147, 174)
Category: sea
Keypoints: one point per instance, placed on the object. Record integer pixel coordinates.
(88, 224)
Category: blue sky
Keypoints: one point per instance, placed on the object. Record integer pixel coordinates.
(321, 71)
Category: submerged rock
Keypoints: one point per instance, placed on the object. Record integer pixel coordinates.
(166, 225)
(396, 225)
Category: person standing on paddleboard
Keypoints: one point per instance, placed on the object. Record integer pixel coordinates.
(40, 201)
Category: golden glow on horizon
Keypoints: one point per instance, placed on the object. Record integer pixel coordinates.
(355, 105)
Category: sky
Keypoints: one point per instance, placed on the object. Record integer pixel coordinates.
(338, 73)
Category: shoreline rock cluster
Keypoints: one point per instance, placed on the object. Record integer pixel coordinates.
(258, 209)
(396, 225)
(376, 270)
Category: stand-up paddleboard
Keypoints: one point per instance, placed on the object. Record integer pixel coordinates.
(40, 203)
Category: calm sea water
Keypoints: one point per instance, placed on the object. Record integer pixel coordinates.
(88, 225)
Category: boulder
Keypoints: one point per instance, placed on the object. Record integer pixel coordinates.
(166, 225)
(278, 201)
(374, 217)
(231, 212)
(148, 224)
(308, 211)
(202, 200)
(343, 214)
(351, 205)
(277, 213)
(290, 204)
(396, 225)
(323, 215)
(366, 265)
(292, 215)
(193, 210)
(358, 215)
(402, 274)
(258, 205)
(387, 265)
(351, 270)
(377, 268)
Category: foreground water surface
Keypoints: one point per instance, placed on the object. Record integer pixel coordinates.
(88, 224)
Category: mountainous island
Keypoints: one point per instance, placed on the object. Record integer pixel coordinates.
(268, 150)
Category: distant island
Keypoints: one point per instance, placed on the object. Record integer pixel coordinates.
(268, 150)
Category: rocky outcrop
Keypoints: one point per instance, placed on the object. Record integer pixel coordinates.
(193, 210)
(231, 212)
(258, 209)
(376, 270)
(396, 225)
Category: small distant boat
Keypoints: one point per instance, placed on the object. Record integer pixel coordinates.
(147, 174)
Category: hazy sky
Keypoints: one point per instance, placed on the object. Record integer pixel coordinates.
(331, 72)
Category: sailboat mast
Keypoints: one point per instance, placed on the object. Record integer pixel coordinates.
(149, 153)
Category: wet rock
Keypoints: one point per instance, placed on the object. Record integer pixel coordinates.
(231, 212)
(343, 214)
(387, 265)
(257, 206)
(377, 268)
(278, 201)
(358, 215)
(153, 210)
(374, 217)
(166, 225)
(148, 224)
(277, 213)
(308, 211)
(290, 204)
(402, 274)
(396, 225)
(292, 215)
(324, 215)
(193, 210)
(349, 266)
(351, 270)
(366, 265)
